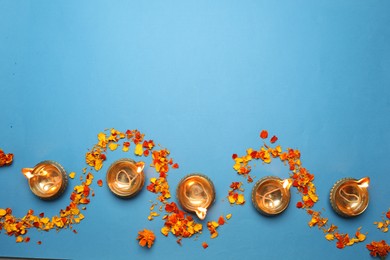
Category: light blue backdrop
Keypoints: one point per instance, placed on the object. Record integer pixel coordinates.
(201, 78)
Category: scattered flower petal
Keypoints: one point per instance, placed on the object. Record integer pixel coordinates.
(264, 134)
(100, 183)
(273, 139)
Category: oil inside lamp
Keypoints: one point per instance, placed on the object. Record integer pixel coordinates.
(271, 195)
(196, 193)
(47, 180)
(125, 177)
(349, 197)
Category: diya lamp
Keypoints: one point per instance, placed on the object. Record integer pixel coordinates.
(47, 180)
(271, 195)
(196, 193)
(125, 177)
(349, 197)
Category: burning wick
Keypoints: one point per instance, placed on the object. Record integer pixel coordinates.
(201, 213)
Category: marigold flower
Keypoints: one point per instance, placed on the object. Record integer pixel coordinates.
(5, 159)
(378, 248)
(146, 237)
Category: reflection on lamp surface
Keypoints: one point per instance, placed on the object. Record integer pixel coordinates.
(349, 197)
(125, 177)
(271, 195)
(47, 180)
(196, 193)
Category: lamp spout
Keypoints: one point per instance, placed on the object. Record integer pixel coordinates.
(27, 172)
(201, 213)
(364, 182)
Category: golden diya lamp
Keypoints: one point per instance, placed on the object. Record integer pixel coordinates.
(47, 180)
(271, 195)
(196, 193)
(349, 197)
(125, 177)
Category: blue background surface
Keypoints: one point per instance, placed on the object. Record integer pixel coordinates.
(201, 78)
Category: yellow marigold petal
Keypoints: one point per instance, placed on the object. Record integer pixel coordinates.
(198, 227)
(214, 223)
(214, 235)
(240, 199)
(72, 175)
(125, 148)
(113, 146)
(228, 216)
(361, 237)
(98, 164)
(3, 212)
(19, 239)
(79, 188)
(237, 166)
(165, 231)
(45, 220)
(313, 222)
(352, 241)
(329, 237)
(138, 149)
(232, 200)
(239, 160)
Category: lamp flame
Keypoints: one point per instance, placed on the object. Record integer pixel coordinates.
(201, 212)
(364, 182)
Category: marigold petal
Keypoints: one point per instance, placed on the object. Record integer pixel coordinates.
(273, 139)
(138, 149)
(113, 146)
(329, 237)
(3, 212)
(264, 134)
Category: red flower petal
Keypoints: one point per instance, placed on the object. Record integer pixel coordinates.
(273, 139)
(264, 134)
